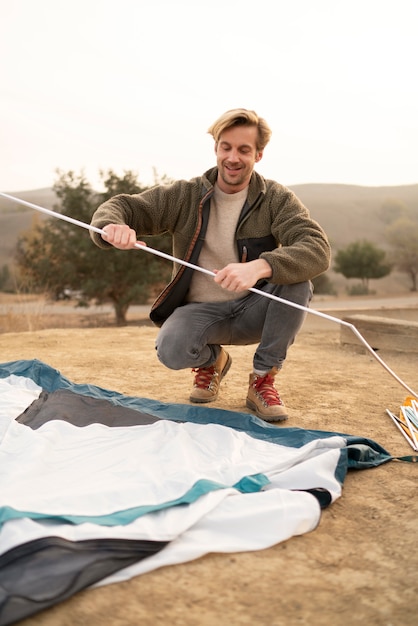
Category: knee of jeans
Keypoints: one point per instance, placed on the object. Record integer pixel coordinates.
(171, 352)
(301, 293)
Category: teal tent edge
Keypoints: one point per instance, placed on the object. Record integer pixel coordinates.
(248, 484)
(359, 453)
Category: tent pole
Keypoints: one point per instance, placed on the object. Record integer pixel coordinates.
(205, 271)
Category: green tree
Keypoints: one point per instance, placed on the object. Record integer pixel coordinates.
(402, 237)
(57, 255)
(362, 259)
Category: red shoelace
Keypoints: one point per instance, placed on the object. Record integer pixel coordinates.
(204, 376)
(265, 388)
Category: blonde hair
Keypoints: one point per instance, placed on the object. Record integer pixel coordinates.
(241, 117)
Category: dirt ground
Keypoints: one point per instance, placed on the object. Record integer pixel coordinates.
(359, 566)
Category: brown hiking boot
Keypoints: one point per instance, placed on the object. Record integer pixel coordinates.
(264, 399)
(208, 379)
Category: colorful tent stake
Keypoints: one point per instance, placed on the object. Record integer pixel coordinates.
(410, 426)
(204, 271)
(402, 428)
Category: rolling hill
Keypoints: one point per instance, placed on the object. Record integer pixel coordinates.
(346, 212)
(349, 212)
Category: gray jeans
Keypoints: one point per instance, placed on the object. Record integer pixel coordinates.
(192, 335)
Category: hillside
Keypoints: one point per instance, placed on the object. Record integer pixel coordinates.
(15, 219)
(349, 212)
(346, 212)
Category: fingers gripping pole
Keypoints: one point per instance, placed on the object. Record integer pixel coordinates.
(205, 271)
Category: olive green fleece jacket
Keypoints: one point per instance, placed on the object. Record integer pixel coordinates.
(274, 225)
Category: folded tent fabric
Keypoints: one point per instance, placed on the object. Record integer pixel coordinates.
(157, 484)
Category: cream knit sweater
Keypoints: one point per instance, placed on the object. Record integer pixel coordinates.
(219, 247)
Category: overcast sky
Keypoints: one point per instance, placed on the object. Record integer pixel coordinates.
(134, 84)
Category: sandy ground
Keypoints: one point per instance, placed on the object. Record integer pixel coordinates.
(358, 566)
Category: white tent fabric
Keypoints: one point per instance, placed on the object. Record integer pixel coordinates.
(182, 479)
(103, 469)
(16, 393)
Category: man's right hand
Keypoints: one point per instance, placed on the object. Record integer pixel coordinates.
(121, 236)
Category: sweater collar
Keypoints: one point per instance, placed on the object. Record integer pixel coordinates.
(256, 187)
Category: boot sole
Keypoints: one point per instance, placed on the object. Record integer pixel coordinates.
(276, 418)
(221, 376)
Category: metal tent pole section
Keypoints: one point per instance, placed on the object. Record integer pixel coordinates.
(205, 271)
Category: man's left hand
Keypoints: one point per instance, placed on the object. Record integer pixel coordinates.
(242, 276)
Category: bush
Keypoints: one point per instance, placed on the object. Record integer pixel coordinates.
(323, 285)
(359, 290)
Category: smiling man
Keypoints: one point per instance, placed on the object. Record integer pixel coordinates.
(236, 154)
(250, 232)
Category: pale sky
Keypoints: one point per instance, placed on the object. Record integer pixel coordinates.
(87, 85)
